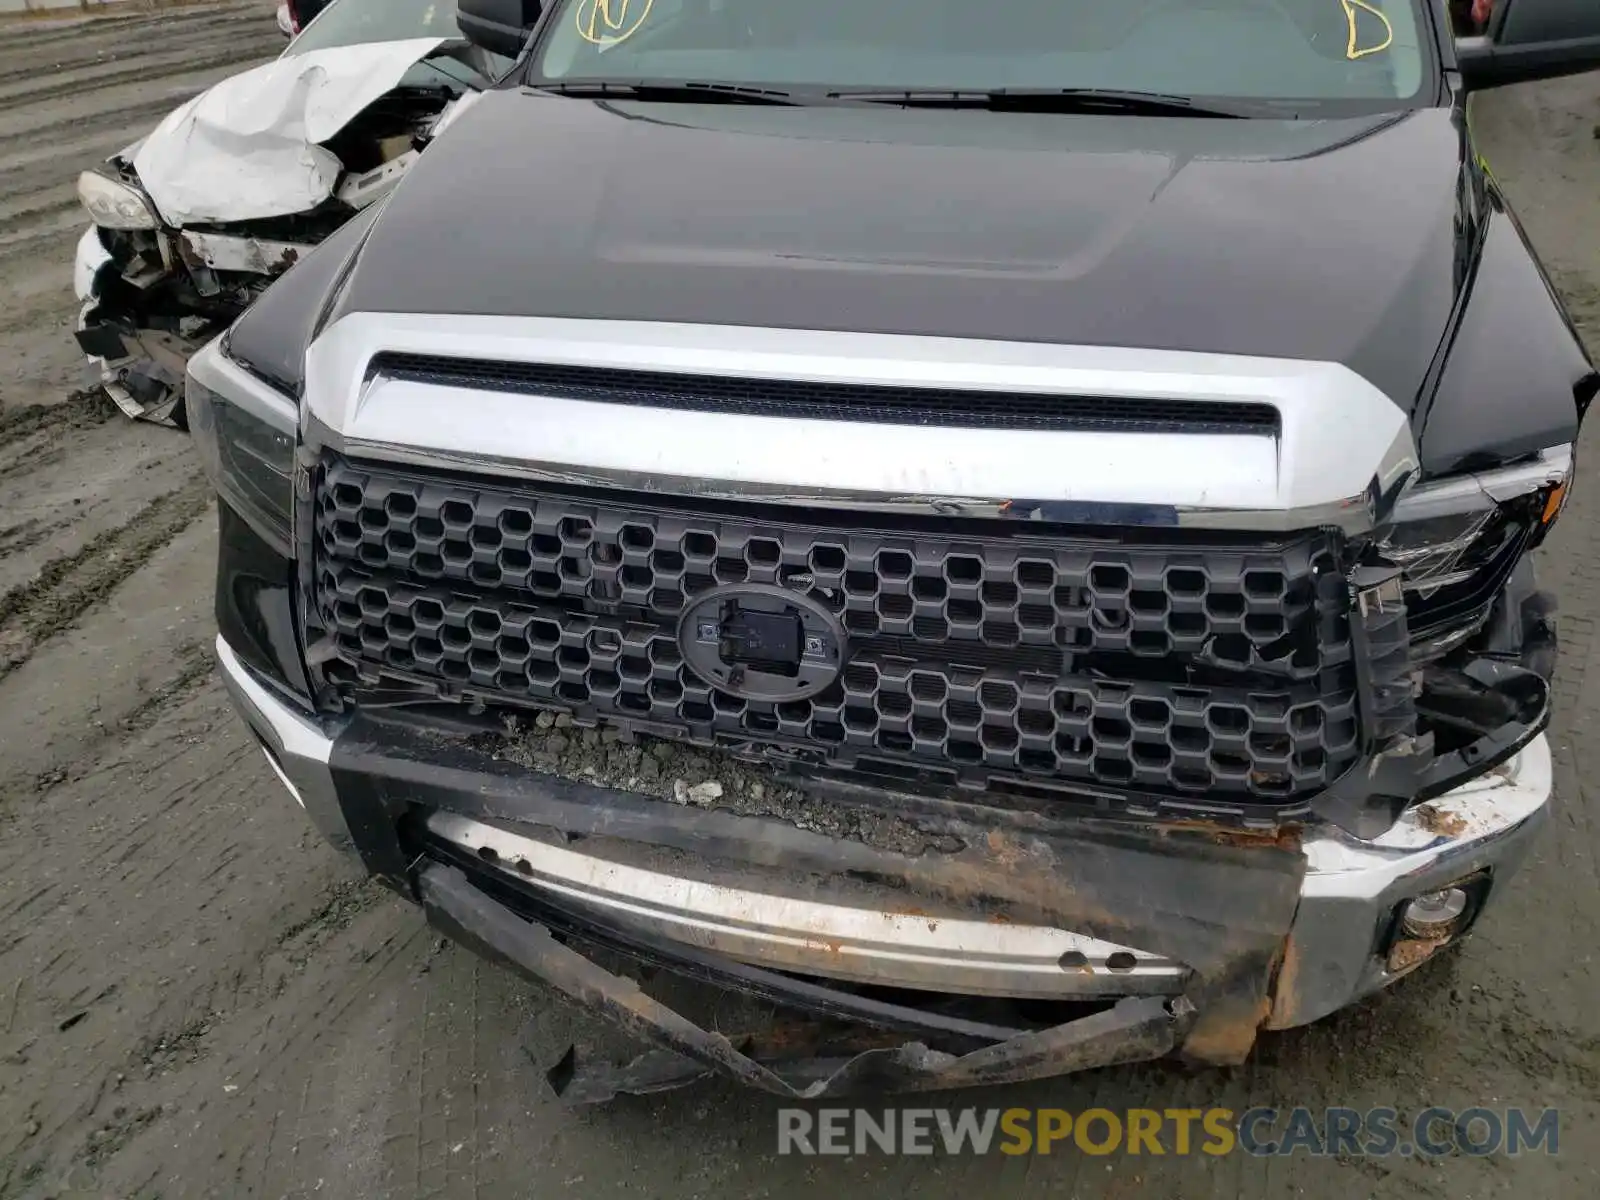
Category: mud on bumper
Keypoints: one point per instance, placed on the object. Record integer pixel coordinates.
(1121, 944)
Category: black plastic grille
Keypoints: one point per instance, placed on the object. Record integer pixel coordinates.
(834, 401)
(1178, 670)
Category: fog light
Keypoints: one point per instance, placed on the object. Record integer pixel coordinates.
(1434, 915)
(1427, 924)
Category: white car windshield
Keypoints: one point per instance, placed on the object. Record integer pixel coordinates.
(1266, 50)
(356, 22)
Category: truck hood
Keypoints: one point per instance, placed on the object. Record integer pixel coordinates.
(1340, 241)
(250, 147)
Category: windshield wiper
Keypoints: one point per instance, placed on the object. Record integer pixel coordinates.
(1047, 100)
(1050, 100)
(678, 91)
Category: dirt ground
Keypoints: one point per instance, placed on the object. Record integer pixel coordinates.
(195, 1001)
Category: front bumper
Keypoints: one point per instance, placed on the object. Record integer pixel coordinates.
(1187, 943)
(138, 365)
(141, 371)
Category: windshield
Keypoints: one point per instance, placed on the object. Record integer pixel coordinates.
(1293, 50)
(355, 22)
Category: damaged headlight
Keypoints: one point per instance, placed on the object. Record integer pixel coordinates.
(1457, 539)
(114, 204)
(245, 433)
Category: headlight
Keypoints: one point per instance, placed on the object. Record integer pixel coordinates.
(113, 204)
(245, 434)
(1457, 539)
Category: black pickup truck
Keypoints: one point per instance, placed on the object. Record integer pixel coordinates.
(1005, 528)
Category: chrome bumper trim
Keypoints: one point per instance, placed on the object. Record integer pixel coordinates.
(836, 941)
(1352, 888)
(296, 747)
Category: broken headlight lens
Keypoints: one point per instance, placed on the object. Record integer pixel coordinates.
(1457, 539)
(1442, 528)
(1435, 552)
(113, 204)
(245, 433)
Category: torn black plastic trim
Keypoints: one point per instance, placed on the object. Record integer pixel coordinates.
(100, 339)
(1450, 771)
(1133, 1030)
(1370, 797)
(1504, 683)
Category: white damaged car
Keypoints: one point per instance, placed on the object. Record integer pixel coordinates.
(194, 221)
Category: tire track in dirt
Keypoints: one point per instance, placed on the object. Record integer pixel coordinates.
(34, 206)
(131, 34)
(27, 172)
(148, 649)
(69, 587)
(233, 55)
(196, 666)
(81, 410)
(21, 457)
(48, 244)
(120, 31)
(23, 536)
(122, 74)
(145, 112)
(197, 663)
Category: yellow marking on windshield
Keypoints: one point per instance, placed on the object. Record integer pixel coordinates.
(607, 22)
(1353, 50)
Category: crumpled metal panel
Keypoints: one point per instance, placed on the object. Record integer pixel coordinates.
(251, 147)
(1133, 1030)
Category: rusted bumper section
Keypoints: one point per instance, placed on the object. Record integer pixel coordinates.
(1134, 1029)
(1176, 939)
(1167, 938)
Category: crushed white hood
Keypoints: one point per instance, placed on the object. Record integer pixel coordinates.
(251, 147)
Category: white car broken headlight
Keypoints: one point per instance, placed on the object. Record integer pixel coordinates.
(114, 204)
(244, 431)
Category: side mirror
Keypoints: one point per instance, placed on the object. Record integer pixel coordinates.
(1531, 39)
(499, 26)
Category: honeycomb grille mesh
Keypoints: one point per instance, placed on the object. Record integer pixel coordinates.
(1188, 671)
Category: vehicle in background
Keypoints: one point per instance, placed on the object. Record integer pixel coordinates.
(192, 222)
(295, 15)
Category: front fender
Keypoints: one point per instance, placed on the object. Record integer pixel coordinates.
(1517, 378)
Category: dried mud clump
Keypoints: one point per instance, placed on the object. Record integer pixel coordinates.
(697, 777)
